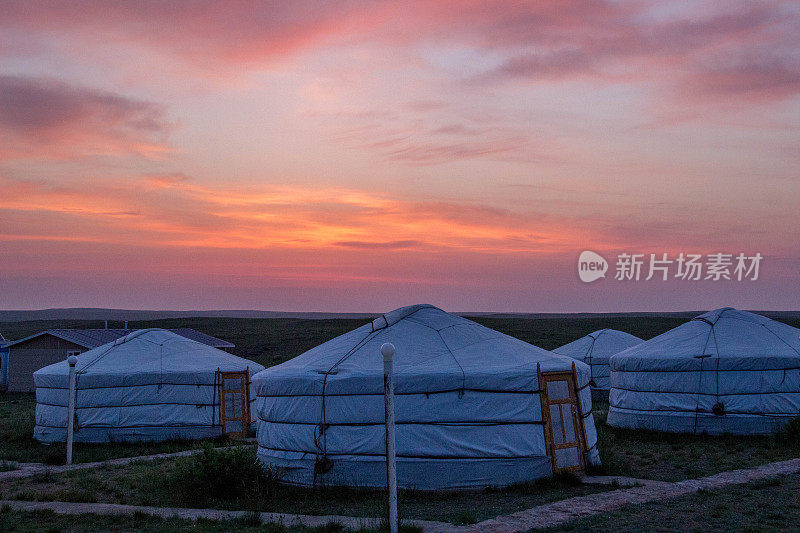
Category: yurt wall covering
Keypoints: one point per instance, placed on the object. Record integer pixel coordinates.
(725, 371)
(467, 406)
(150, 385)
(595, 349)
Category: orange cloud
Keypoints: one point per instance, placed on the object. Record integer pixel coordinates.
(174, 211)
(186, 214)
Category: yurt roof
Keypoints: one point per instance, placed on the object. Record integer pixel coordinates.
(722, 333)
(150, 351)
(600, 343)
(435, 350)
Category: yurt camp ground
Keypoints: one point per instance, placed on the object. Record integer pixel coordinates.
(227, 480)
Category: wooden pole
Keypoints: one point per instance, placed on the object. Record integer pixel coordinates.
(387, 351)
(72, 361)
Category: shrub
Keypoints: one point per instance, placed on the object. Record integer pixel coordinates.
(465, 517)
(569, 478)
(55, 454)
(227, 475)
(791, 432)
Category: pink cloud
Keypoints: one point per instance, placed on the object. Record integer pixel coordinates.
(765, 77)
(629, 43)
(48, 118)
(201, 33)
(417, 138)
(549, 41)
(554, 65)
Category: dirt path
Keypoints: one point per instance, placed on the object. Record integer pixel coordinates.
(573, 508)
(548, 515)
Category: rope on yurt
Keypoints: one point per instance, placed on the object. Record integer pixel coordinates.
(784, 342)
(89, 365)
(781, 339)
(588, 359)
(96, 359)
(214, 399)
(160, 365)
(702, 358)
(718, 408)
(324, 464)
(450, 351)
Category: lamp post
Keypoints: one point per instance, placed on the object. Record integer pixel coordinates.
(72, 360)
(387, 351)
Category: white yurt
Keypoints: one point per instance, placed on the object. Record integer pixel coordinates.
(149, 385)
(468, 407)
(725, 371)
(595, 349)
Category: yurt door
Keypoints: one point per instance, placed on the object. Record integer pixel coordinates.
(562, 421)
(234, 404)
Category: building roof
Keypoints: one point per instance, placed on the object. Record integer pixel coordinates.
(92, 338)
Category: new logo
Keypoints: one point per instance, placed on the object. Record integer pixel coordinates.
(591, 266)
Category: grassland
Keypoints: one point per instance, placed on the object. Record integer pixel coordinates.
(161, 483)
(770, 505)
(37, 521)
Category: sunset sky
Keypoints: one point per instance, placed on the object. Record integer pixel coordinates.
(363, 155)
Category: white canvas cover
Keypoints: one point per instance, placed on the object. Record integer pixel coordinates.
(595, 349)
(467, 406)
(151, 384)
(725, 371)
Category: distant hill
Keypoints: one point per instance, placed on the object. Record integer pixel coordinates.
(89, 313)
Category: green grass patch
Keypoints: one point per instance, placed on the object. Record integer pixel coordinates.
(214, 476)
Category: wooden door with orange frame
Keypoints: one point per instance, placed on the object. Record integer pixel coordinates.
(234, 405)
(563, 420)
